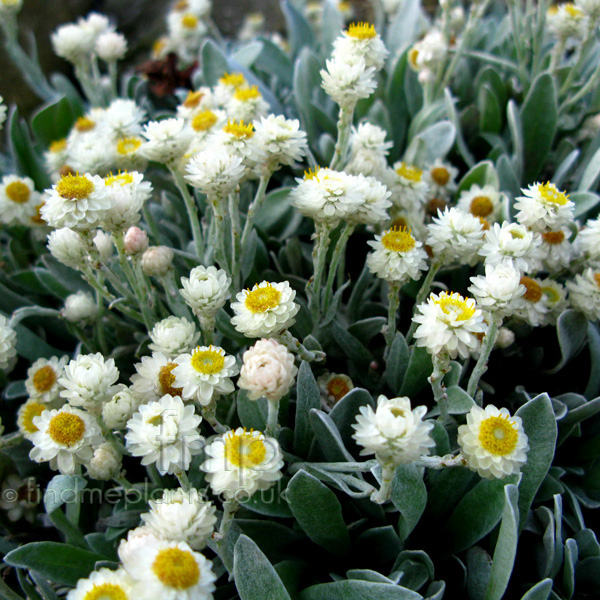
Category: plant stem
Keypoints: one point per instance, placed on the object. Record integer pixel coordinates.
(273, 414)
(219, 237)
(338, 251)
(294, 345)
(209, 412)
(385, 490)
(253, 208)
(207, 325)
(344, 127)
(441, 366)
(486, 349)
(393, 303)
(423, 293)
(236, 244)
(184, 481)
(314, 284)
(192, 211)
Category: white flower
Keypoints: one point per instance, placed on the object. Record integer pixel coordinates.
(3, 111)
(429, 53)
(441, 178)
(396, 256)
(394, 432)
(157, 261)
(247, 104)
(375, 201)
(567, 21)
(584, 293)
(225, 88)
(513, 243)
(268, 371)
(93, 153)
(493, 442)
(42, 378)
(123, 118)
(241, 462)
(205, 372)
(89, 380)
(281, 140)
(103, 244)
(181, 516)
(186, 32)
(361, 41)
(167, 140)
(79, 307)
(544, 207)
(105, 463)
(587, 242)
(165, 433)
(554, 296)
(105, 584)
(18, 200)
(531, 306)
(590, 7)
(215, 172)
(111, 46)
(347, 80)
(127, 193)
(76, 201)
(408, 185)
(169, 571)
(73, 42)
(266, 310)
(95, 23)
(483, 202)
(238, 138)
(455, 236)
(117, 411)
(173, 336)
(368, 151)
(450, 324)
(557, 249)
(198, 101)
(64, 438)
(8, 340)
(10, 7)
(505, 338)
(154, 378)
(206, 290)
(25, 415)
(20, 497)
(497, 290)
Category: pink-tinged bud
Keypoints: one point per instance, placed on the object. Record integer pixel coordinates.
(157, 260)
(374, 365)
(136, 240)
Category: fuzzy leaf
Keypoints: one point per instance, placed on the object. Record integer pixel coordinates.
(307, 398)
(409, 496)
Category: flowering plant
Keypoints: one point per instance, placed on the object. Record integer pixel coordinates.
(314, 317)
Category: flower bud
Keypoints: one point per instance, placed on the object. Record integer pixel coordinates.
(157, 261)
(111, 46)
(136, 240)
(104, 245)
(505, 338)
(67, 246)
(79, 307)
(105, 463)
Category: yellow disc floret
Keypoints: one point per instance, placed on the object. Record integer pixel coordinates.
(128, 145)
(440, 175)
(58, 146)
(193, 99)
(410, 172)
(481, 206)
(337, 388)
(176, 568)
(244, 450)
(18, 192)
(74, 187)
(66, 428)
(84, 124)
(533, 290)
(189, 21)
(498, 435)
(553, 237)
(398, 240)
(311, 173)
(247, 93)
(106, 591)
(361, 31)
(239, 129)
(208, 362)
(262, 299)
(233, 79)
(204, 120)
(456, 306)
(30, 411)
(550, 193)
(167, 379)
(44, 378)
(121, 179)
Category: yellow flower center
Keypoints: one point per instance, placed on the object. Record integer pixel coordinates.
(31, 410)
(553, 237)
(262, 299)
(84, 124)
(204, 120)
(193, 99)
(410, 172)
(189, 21)
(74, 187)
(248, 93)
(121, 179)
(176, 568)
(239, 129)
(66, 428)
(233, 79)
(397, 412)
(516, 234)
(455, 305)
(533, 290)
(361, 31)
(481, 206)
(311, 173)
(244, 450)
(106, 591)
(597, 279)
(167, 379)
(498, 435)
(18, 192)
(344, 6)
(158, 47)
(440, 175)
(37, 218)
(208, 362)
(551, 294)
(550, 193)
(573, 11)
(413, 55)
(398, 240)
(44, 378)
(155, 421)
(58, 145)
(337, 388)
(128, 145)
(181, 5)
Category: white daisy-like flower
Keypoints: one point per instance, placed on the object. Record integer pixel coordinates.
(25, 415)
(20, 497)
(181, 516)
(375, 202)
(368, 151)
(241, 462)
(544, 207)
(554, 296)
(76, 201)
(186, 32)
(117, 411)
(584, 293)
(93, 154)
(567, 21)
(493, 442)
(127, 193)
(79, 308)
(173, 336)
(347, 80)
(450, 324)
(281, 140)
(215, 172)
(136, 540)
(587, 242)
(167, 140)
(203, 123)
(441, 179)
(106, 462)
(265, 310)
(206, 290)
(268, 371)
(104, 584)
(170, 571)
(56, 158)
(18, 200)
(590, 7)
(196, 101)
(127, 153)
(42, 378)
(498, 289)
(482, 202)
(428, 53)
(238, 138)
(409, 186)
(511, 242)
(226, 86)
(154, 378)
(531, 306)
(455, 236)
(334, 386)
(397, 256)
(88, 381)
(205, 372)
(8, 341)
(111, 46)
(64, 438)
(73, 42)
(558, 252)
(124, 118)
(247, 104)
(67, 246)
(361, 40)
(394, 432)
